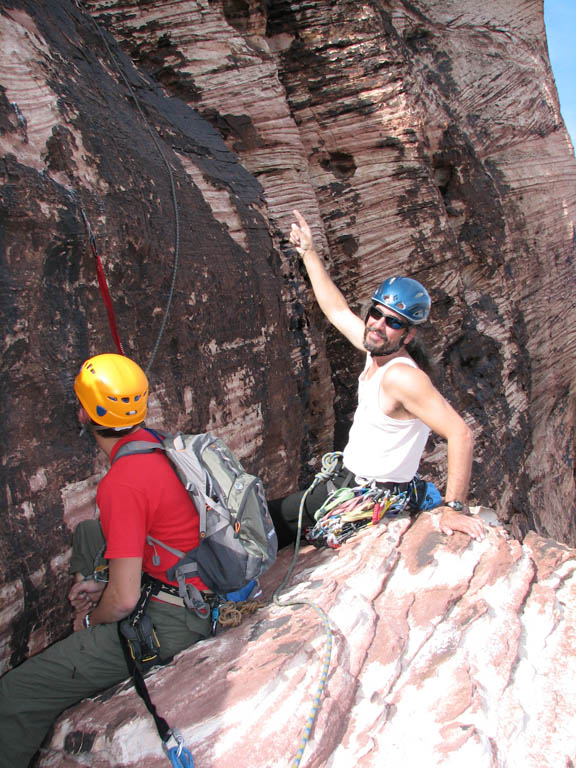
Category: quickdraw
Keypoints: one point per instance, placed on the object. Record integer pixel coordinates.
(341, 516)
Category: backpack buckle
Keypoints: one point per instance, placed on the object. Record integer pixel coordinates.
(195, 601)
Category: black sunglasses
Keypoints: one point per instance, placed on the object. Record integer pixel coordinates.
(392, 322)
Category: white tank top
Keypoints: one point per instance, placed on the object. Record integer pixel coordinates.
(379, 447)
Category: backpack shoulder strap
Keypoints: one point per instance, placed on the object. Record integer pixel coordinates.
(141, 446)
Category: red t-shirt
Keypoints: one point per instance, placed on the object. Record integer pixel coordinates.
(141, 495)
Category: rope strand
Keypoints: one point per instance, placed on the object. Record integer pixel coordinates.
(329, 465)
(154, 136)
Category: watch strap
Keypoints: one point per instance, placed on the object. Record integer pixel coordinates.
(457, 506)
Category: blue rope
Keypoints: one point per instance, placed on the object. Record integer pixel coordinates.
(321, 684)
(180, 757)
(329, 466)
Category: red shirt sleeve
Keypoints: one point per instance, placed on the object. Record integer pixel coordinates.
(124, 520)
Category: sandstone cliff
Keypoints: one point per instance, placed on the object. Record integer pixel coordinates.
(420, 137)
(445, 653)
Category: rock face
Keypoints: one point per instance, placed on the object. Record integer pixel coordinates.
(418, 137)
(445, 653)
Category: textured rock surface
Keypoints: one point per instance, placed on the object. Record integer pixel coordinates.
(446, 653)
(422, 137)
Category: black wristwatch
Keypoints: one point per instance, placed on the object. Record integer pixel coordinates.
(457, 506)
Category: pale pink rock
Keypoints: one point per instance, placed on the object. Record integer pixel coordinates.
(420, 137)
(445, 652)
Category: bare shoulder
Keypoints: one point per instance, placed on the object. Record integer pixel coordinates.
(404, 369)
(405, 378)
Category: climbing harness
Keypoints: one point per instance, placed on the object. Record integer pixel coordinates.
(347, 510)
(330, 462)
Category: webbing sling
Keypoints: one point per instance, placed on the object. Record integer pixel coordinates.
(179, 756)
(164, 730)
(134, 667)
(103, 285)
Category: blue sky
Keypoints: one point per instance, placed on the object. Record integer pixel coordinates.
(560, 18)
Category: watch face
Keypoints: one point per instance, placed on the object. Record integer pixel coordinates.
(457, 506)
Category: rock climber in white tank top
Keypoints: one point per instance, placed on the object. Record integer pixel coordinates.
(380, 447)
(398, 404)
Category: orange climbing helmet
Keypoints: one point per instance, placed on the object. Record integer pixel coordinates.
(113, 391)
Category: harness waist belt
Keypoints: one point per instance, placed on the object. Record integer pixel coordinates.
(175, 599)
(345, 476)
(394, 486)
(168, 597)
(170, 593)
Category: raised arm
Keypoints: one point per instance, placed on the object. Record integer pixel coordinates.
(330, 299)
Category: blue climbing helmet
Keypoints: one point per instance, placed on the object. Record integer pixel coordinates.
(405, 296)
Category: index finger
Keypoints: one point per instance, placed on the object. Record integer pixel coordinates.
(301, 220)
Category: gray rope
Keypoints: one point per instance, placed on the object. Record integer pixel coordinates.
(329, 464)
(154, 136)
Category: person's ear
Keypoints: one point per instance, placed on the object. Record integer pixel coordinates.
(410, 336)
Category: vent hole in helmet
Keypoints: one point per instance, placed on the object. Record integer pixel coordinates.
(111, 397)
(101, 411)
(125, 399)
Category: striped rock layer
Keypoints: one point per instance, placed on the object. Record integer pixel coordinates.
(421, 138)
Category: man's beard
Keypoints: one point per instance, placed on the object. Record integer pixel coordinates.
(382, 348)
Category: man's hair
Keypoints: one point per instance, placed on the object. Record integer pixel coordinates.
(111, 432)
(420, 356)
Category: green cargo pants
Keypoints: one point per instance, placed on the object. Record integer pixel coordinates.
(86, 663)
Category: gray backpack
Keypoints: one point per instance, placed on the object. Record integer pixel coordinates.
(237, 537)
